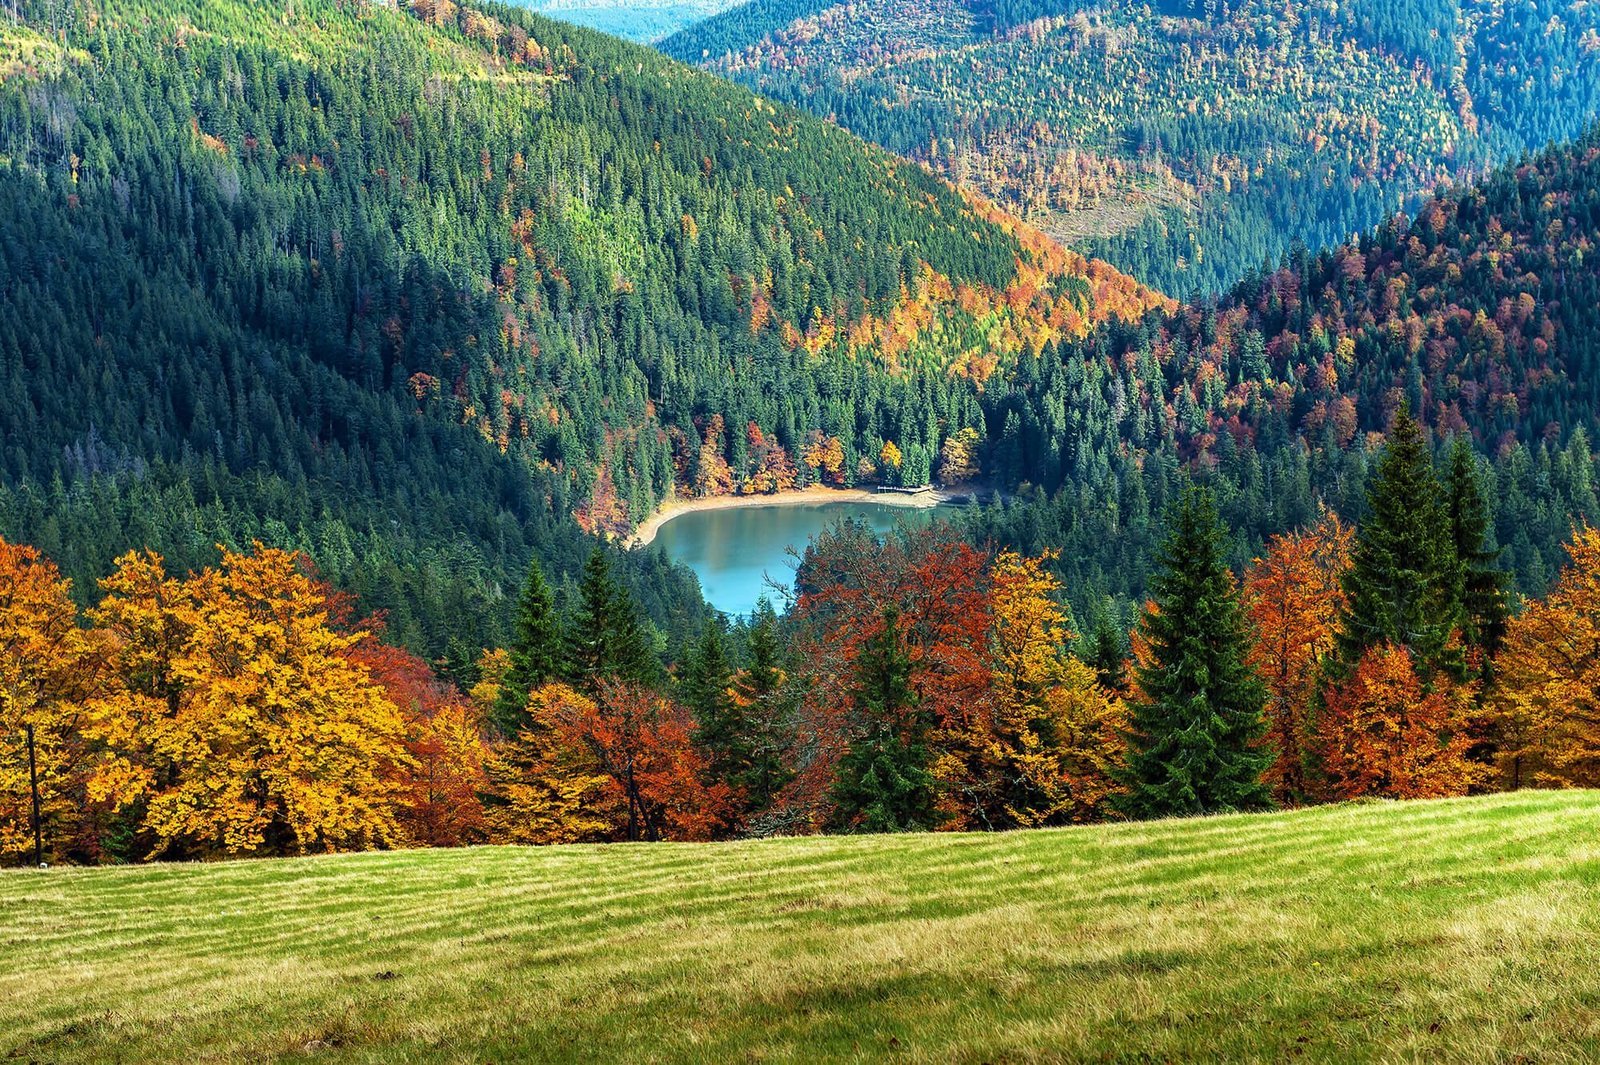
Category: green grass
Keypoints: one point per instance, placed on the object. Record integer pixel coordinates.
(1449, 931)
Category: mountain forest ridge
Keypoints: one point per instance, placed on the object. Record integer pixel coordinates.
(418, 284)
(421, 283)
(1186, 142)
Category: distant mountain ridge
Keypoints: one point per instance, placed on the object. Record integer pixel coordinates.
(1187, 142)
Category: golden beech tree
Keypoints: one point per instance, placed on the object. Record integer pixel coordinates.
(1548, 679)
(545, 790)
(1382, 733)
(244, 724)
(1054, 738)
(1294, 598)
(49, 668)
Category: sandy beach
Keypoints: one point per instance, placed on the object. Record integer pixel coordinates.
(672, 508)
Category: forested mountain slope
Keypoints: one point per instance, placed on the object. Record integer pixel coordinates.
(1481, 314)
(634, 20)
(406, 288)
(1185, 141)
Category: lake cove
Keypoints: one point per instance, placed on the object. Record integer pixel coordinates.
(734, 550)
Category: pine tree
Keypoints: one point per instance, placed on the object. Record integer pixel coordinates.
(759, 691)
(1193, 739)
(884, 783)
(1403, 585)
(590, 635)
(535, 652)
(1483, 582)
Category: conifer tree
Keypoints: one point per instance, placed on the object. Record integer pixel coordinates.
(535, 652)
(1105, 650)
(759, 692)
(720, 726)
(884, 782)
(1403, 585)
(605, 639)
(1195, 727)
(1483, 583)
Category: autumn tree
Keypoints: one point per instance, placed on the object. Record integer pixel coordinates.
(259, 734)
(1196, 724)
(656, 779)
(543, 788)
(1383, 733)
(535, 651)
(49, 669)
(1547, 695)
(1294, 596)
(1053, 740)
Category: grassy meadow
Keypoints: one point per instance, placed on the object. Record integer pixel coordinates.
(1461, 930)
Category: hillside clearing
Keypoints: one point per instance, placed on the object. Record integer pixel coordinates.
(1464, 930)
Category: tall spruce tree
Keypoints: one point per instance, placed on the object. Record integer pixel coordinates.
(1484, 606)
(605, 639)
(1403, 586)
(535, 652)
(884, 782)
(1194, 735)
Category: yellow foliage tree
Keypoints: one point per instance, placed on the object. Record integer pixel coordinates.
(549, 791)
(49, 667)
(240, 722)
(1548, 673)
(1055, 732)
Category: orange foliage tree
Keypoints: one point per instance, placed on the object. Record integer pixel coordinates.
(545, 790)
(440, 803)
(1022, 734)
(1547, 694)
(1294, 598)
(620, 764)
(1383, 733)
(1055, 738)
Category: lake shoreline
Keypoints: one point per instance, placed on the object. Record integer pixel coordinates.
(924, 499)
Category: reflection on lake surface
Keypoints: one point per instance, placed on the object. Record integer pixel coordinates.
(734, 551)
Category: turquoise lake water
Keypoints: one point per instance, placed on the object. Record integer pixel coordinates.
(738, 551)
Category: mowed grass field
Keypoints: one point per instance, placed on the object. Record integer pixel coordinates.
(1444, 931)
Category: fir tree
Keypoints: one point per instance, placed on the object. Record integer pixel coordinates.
(1483, 584)
(1403, 587)
(1193, 740)
(884, 782)
(535, 652)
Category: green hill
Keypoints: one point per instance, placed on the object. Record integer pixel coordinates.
(407, 287)
(1185, 141)
(1462, 930)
